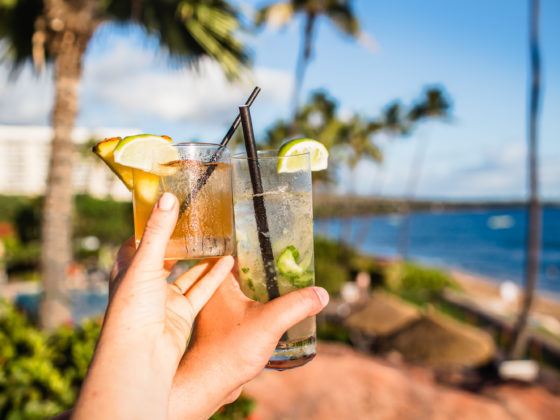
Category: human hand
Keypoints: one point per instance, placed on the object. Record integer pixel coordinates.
(147, 324)
(232, 341)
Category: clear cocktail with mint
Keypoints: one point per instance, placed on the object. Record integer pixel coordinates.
(288, 202)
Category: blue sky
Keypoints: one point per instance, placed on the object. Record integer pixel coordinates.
(476, 49)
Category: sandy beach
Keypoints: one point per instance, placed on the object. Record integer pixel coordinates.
(484, 289)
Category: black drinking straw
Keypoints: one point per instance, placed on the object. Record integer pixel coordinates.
(258, 203)
(237, 121)
(201, 182)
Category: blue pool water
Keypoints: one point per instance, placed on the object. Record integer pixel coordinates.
(85, 304)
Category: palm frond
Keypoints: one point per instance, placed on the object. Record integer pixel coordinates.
(17, 25)
(432, 104)
(276, 15)
(190, 29)
(343, 17)
(393, 118)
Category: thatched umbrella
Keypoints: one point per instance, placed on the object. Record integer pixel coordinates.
(383, 315)
(440, 341)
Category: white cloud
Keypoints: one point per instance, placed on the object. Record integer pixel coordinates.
(138, 83)
(498, 172)
(126, 78)
(27, 98)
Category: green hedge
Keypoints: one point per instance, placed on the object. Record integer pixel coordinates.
(10, 205)
(110, 221)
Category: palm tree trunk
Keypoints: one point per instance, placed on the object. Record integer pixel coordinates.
(67, 46)
(301, 66)
(403, 241)
(534, 221)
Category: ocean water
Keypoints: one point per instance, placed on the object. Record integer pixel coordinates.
(488, 242)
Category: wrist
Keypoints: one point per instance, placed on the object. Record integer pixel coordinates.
(136, 371)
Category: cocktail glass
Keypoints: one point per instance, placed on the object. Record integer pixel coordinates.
(200, 177)
(289, 212)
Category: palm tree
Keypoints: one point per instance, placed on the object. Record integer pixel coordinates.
(339, 12)
(434, 104)
(534, 224)
(57, 32)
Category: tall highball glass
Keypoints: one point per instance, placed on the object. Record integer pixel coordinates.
(289, 213)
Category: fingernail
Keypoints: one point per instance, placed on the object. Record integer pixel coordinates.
(323, 295)
(166, 201)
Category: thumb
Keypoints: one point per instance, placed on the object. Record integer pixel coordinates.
(282, 313)
(158, 230)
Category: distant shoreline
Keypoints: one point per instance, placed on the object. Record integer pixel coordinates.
(343, 206)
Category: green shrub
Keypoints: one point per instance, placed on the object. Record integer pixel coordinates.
(238, 410)
(332, 268)
(10, 205)
(330, 331)
(27, 221)
(331, 275)
(327, 249)
(337, 263)
(31, 386)
(73, 349)
(416, 283)
(19, 256)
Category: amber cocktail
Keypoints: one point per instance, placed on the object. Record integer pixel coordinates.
(200, 177)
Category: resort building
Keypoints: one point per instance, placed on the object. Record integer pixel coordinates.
(24, 162)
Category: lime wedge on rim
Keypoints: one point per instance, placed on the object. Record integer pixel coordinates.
(318, 155)
(147, 152)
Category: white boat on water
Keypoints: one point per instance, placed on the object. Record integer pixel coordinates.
(502, 221)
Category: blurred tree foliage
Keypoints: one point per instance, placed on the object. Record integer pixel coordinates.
(42, 373)
(339, 12)
(351, 138)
